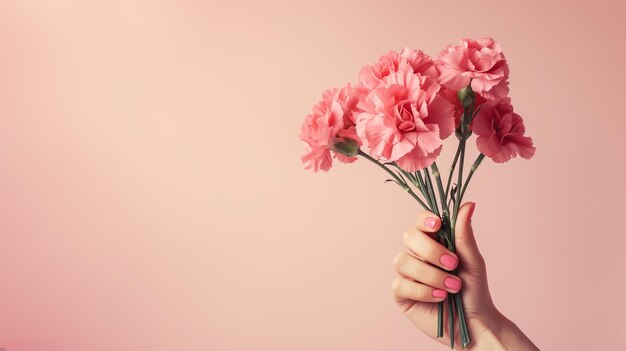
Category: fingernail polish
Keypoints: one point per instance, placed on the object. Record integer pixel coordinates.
(440, 294)
(452, 283)
(430, 222)
(448, 261)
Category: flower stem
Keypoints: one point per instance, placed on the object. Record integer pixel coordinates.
(442, 196)
(422, 185)
(398, 180)
(440, 319)
(446, 224)
(458, 301)
(431, 192)
(445, 211)
(456, 158)
(443, 232)
(419, 182)
(451, 319)
(471, 173)
(465, 339)
(459, 184)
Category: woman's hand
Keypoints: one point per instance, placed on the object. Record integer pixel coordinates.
(425, 277)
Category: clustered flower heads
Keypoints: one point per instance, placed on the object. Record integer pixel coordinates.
(406, 104)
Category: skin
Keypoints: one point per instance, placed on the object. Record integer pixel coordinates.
(420, 272)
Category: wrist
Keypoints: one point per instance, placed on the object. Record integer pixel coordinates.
(500, 333)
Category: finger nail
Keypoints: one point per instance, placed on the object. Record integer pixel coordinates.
(431, 222)
(452, 283)
(448, 261)
(440, 294)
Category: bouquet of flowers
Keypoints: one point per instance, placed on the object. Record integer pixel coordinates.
(403, 108)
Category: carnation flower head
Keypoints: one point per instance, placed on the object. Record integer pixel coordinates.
(372, 75)
(480, 61)
(405, 120)
(330, 130)
(501, 132)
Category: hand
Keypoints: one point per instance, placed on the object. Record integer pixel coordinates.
(425, 277)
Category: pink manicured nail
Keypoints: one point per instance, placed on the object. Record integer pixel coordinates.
(448, 261)
(440, 294)
(430, 222)
(452, 283)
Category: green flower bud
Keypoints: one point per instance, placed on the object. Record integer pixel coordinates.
(347, 147)
(459, 133)
(466, 96)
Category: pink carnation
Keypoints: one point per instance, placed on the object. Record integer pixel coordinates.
(501, 131)
(405, 120)
(480, 61)
(371, 76)
(333, 120)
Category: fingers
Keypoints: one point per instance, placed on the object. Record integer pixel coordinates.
(426, 248)
(466, 246)
(404, 288)
(418, 270)
(428, 222)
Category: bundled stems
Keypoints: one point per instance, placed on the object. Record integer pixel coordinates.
(440, 319)
(442, 196)
(446, 221)
(456, 298)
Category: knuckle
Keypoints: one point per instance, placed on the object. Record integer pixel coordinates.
(396, 285)
(399, 260)
(430, 250)
(417, 290)
(406, 236)
(430, 276)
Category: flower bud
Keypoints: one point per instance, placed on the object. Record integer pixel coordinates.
(347, 147)
(460, 135)
(466, 96)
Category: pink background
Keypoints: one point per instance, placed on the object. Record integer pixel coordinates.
(151, 196)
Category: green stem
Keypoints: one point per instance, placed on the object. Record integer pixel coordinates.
(456, 158)
(456, 202)
(399, 181)
(451, 319)
(471, 173)
(440, 319)
(444, 205)
(422, 187)
(431, 192)
(465, 338)
(443, 231)
(442, 195)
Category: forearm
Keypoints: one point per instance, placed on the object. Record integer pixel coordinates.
(503, 334)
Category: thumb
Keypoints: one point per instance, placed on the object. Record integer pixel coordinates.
(466, 247)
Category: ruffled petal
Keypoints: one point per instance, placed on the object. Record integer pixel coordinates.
(414, 160)
(441, 113)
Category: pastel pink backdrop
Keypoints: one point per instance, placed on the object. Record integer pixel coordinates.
(151, 196)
